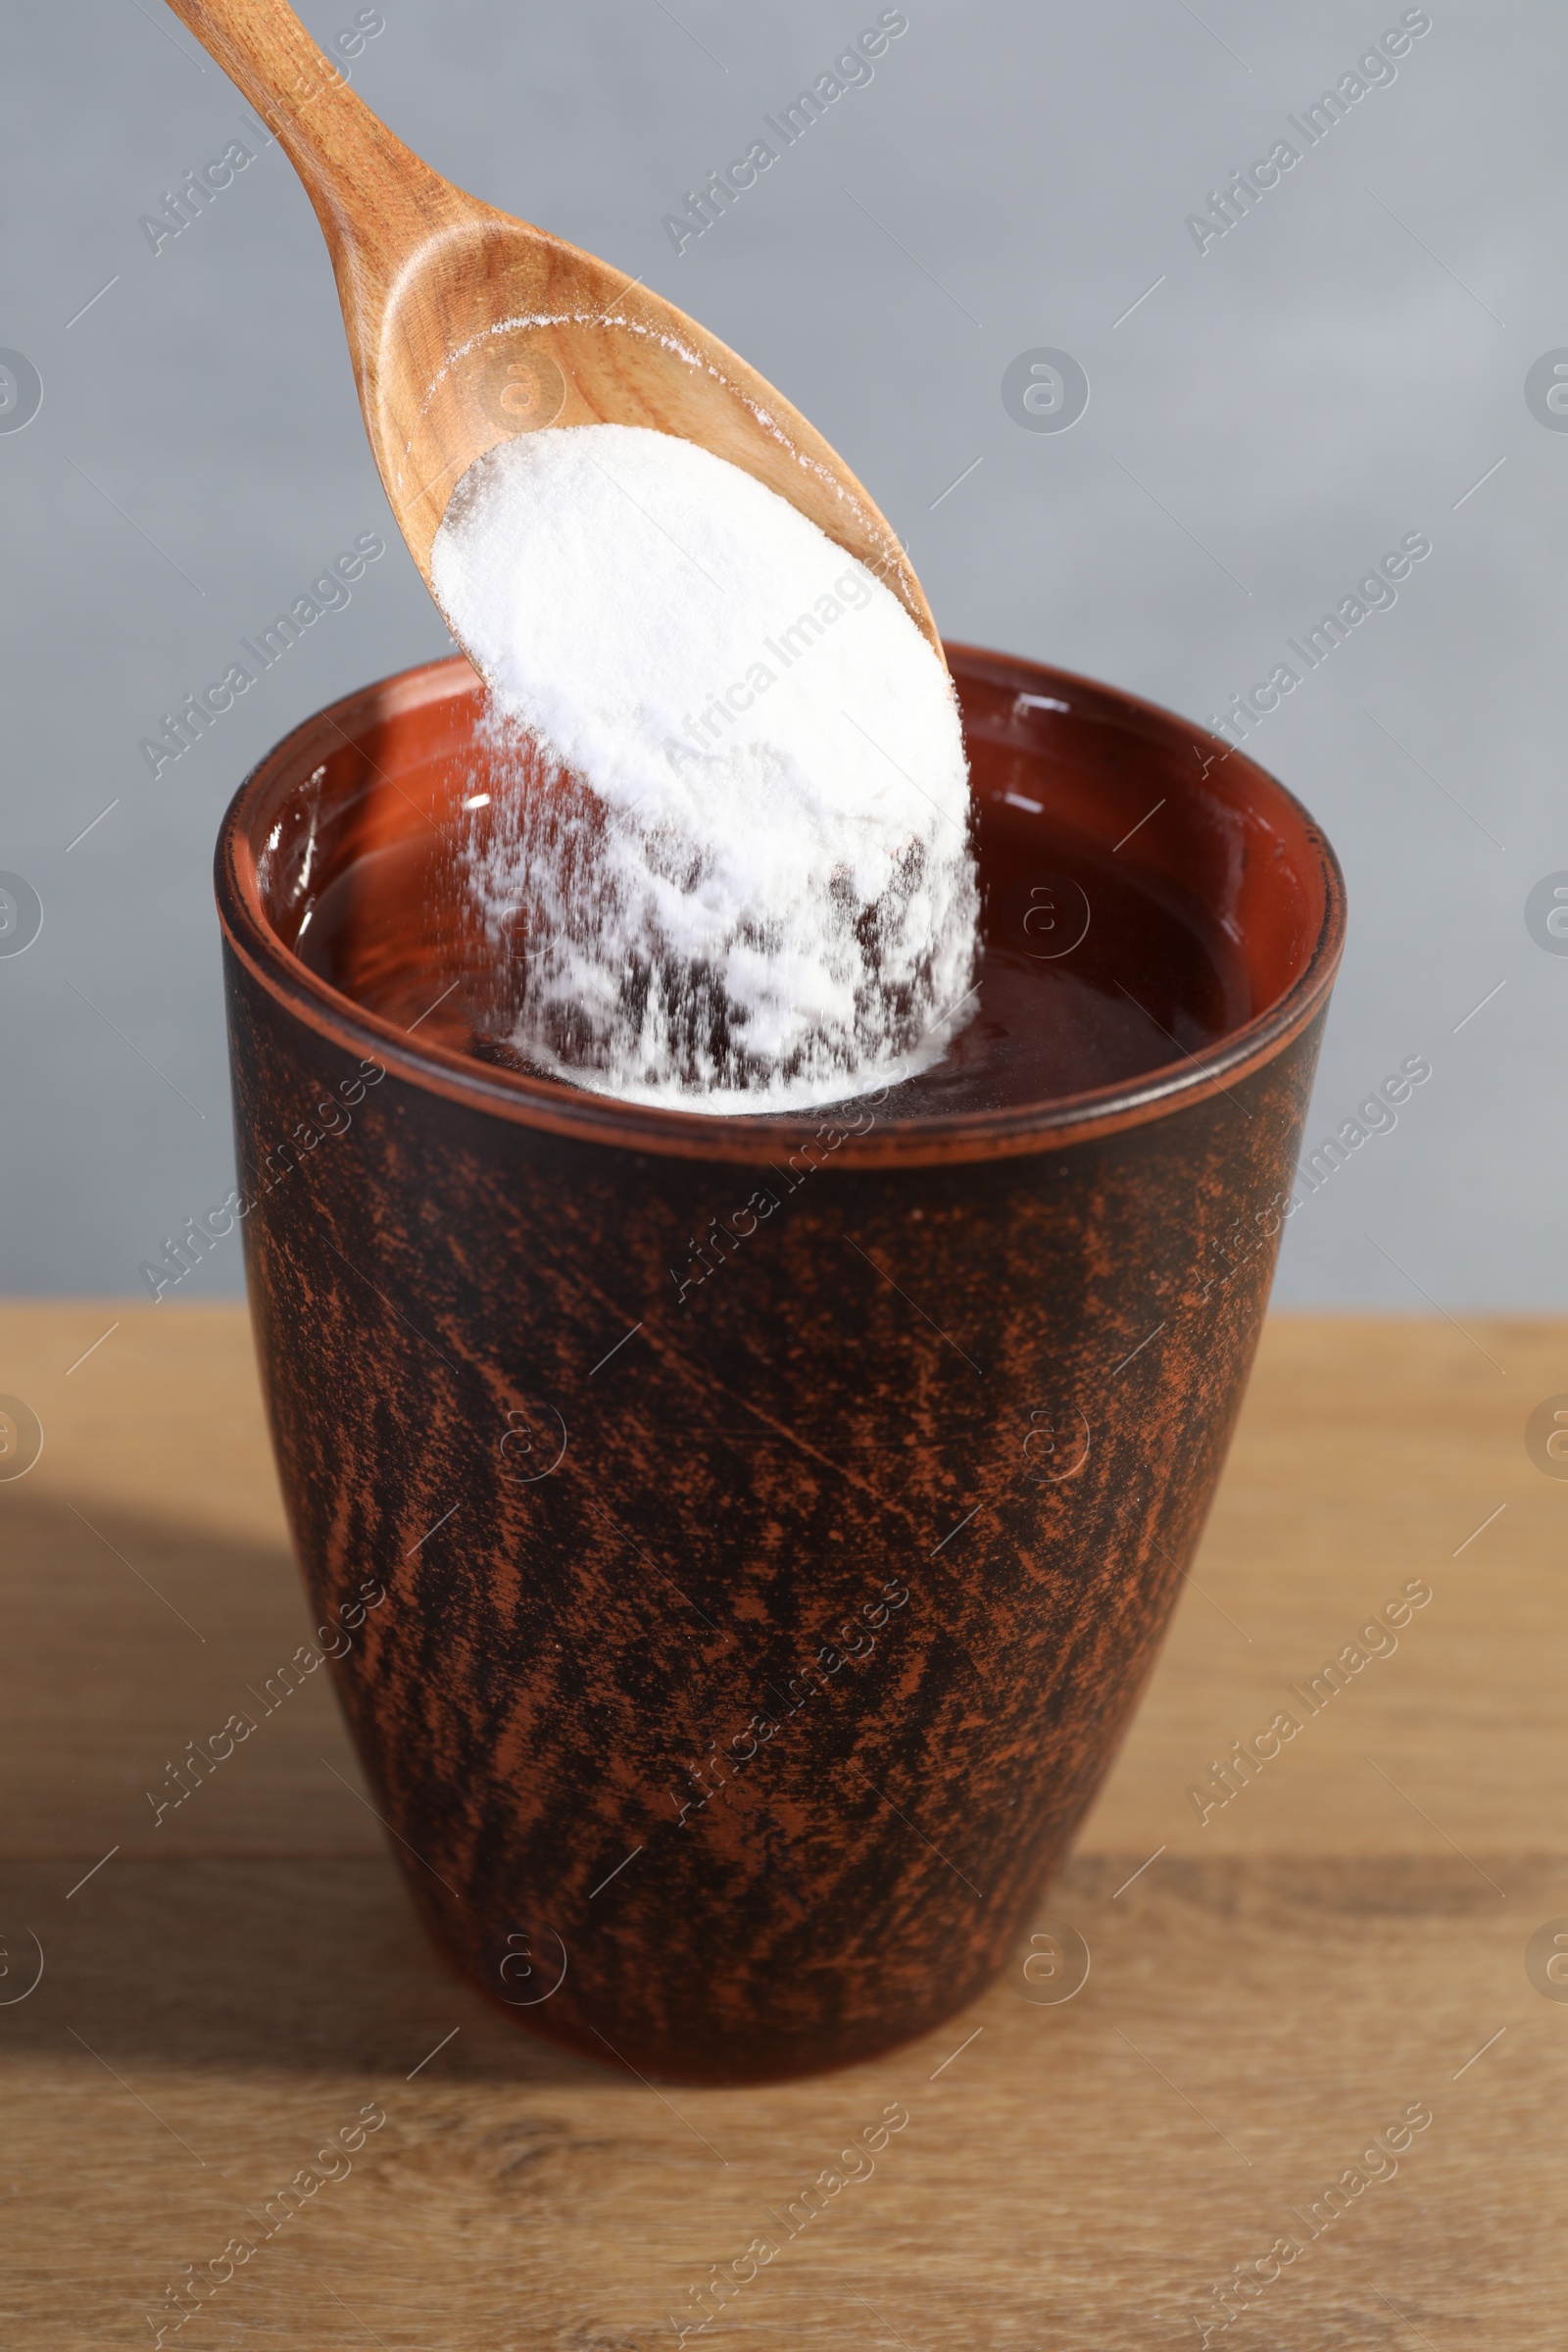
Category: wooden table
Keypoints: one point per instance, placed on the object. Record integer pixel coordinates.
(1270, 1988)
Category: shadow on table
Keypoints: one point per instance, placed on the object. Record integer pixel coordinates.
(267, 1965)
(262, 1927)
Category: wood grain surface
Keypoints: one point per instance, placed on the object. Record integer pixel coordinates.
(241, 1984)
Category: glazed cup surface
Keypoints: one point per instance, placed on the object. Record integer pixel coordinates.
(747, 1653)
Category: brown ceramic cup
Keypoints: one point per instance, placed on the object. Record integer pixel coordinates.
(733, 1665)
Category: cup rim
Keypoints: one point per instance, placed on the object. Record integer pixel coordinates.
(755, 1138)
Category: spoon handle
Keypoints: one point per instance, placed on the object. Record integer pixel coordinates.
(370, 191)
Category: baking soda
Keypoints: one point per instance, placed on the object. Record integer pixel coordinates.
(735, 872)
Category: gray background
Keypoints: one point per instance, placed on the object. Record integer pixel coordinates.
(1337, 371)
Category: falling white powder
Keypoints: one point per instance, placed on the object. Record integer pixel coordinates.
(745, 881)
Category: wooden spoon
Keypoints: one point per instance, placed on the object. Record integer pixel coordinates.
(466, 328)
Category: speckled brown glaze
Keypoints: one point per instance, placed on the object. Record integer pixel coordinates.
(737, 1688)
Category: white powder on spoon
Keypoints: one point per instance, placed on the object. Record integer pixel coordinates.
(746, 881)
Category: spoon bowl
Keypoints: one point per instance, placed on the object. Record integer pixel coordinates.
(468, 327)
